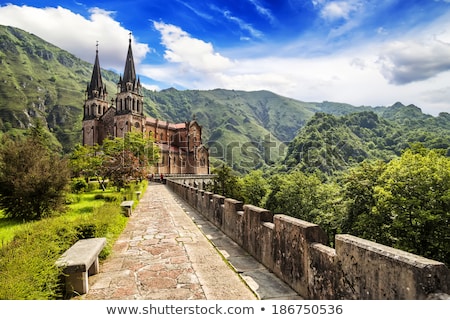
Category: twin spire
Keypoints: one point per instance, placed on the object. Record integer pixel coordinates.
(96, 89)
(129, 82)
(129, 74)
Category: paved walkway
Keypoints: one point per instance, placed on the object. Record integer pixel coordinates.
(170, 252)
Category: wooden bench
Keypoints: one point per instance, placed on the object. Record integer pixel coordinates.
(79, 262)
(126, 207)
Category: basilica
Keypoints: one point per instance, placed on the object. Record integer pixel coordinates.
(180, 144)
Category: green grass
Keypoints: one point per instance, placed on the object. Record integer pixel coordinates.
(29, 250)
(8, 228)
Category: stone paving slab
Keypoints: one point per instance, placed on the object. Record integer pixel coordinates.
(163, 255)
(262, 282)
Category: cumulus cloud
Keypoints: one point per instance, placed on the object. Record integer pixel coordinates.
(351, 76)
(75, 33)
(404, 62)
(191, 54)
(361, 74)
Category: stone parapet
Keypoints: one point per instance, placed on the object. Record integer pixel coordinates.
(296, 252)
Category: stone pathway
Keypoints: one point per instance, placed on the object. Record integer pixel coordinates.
(162, 255)
(169, 252)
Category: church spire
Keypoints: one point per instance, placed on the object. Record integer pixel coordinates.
(128, 82)
(96, 89)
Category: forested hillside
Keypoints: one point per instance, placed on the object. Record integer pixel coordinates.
(246, 130)
(332, 143)
(41, 81)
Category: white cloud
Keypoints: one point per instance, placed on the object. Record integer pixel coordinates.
(243, 25)
(75, 33)
(409, 61)
(335, 10)
(191, 54)
(352, 76)
(357, 76)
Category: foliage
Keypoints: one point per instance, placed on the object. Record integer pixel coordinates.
(254, 188)
(295, 195)
(126, 159)
(33, 179)
(27, 269)
(79, 185)
(120, 160)
(404, 203)
(85, 161)
(359, 185)
(415, 194)
(226, 182)
(333, 144)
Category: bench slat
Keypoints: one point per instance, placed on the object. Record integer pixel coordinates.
(81, 255)
(127, 204)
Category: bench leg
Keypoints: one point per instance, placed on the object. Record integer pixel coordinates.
(127, 211)
(77, 283)
(94, 269)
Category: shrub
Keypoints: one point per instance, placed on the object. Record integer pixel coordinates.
(79, 185)
(107, 197)
(27, 270)
(93, 185)
(33, 179)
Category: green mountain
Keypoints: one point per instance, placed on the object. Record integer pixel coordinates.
(244, 129)
(40, 81)
(331, 143)
(247, 130)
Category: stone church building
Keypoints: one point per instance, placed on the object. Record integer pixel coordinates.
(180, 144)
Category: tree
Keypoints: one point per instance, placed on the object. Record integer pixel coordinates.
(33, 179)
(254, 188)
(121, 168)
(305, 196)
(296, 194)
(85, 161)
(128, 158)
(359, 184)
(415, 194)
(226, 182)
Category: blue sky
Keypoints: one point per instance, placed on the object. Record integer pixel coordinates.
(361, 52)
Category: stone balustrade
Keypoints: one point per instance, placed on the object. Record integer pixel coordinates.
(297, 253)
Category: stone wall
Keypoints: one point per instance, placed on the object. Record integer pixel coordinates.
(297, 253)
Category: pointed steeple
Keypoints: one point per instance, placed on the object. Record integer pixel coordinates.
(129, 98)
(96, 89)
(128, 81)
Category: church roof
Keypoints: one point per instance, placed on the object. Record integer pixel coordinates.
(129, 73)
(96, 83)
(165, 124)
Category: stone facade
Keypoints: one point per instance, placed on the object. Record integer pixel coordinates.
(180, 144)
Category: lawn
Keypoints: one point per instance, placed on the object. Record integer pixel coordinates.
(29, 250)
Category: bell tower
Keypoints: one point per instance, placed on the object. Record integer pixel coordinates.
(95, 105)
(129, 99)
